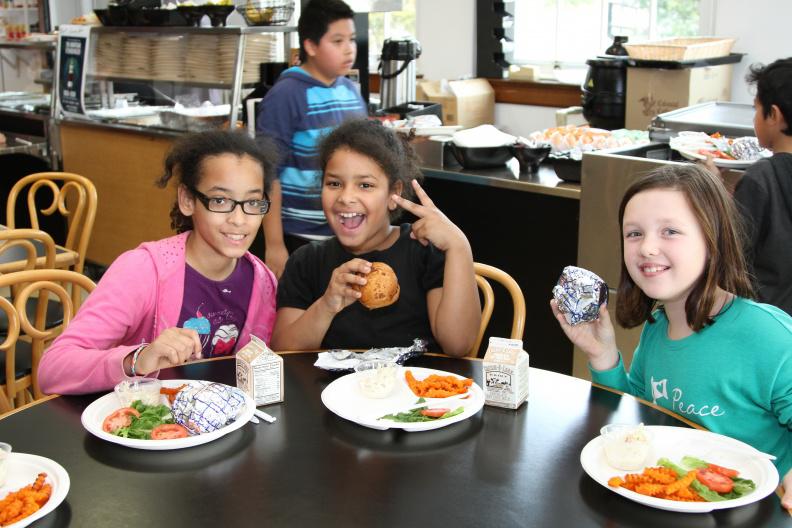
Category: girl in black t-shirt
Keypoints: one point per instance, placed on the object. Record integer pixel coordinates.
(369, 173)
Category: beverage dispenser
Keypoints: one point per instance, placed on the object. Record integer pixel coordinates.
(397, 71)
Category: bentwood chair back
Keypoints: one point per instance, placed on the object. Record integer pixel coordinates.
(32, 335)
(484, 272)
(73, 196)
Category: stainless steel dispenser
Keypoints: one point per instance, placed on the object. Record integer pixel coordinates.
(397, 71)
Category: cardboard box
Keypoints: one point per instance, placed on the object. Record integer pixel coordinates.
(505, 373)
(467, 103)
(652, 91)
(259, 372)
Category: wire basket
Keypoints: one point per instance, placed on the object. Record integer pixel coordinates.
(266, 12)
(680, 49)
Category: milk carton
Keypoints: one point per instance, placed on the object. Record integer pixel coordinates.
(259, 372)
(505, 373)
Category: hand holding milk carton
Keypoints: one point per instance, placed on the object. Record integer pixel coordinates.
(505, 373)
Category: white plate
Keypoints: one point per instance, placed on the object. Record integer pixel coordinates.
(23, 470)
(96, 412)
(719, 162)
(446, 130)
(343, 398)
(674, 443)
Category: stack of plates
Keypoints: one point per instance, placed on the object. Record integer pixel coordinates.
(137, 56)
(109, 51)
(226, 58)
(167, 63)
(266, 47)
(202, 55)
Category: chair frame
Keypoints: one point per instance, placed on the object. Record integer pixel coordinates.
(484, 272)
(80, 217)
(41, 282)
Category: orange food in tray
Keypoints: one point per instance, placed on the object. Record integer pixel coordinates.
(24, 502)
(436, 386)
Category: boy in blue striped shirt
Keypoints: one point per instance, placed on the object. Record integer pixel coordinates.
(306, 103)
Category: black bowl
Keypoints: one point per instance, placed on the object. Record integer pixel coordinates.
(192, 14)
(530, 157)
(218, 14)
(104, 16)
(567, 169)
(162, 17)
(481, 157)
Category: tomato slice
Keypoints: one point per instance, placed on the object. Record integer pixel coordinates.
(435, 413)
(168, 432)
(726, 472)
(118, 419)
(715, 481)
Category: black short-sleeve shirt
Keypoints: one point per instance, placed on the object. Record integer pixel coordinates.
(418, 268)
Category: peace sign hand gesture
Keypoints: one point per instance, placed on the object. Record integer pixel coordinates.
(432, 225)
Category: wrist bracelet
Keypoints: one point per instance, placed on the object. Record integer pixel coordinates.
(137, 352)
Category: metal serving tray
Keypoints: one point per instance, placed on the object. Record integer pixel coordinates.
(730, 119)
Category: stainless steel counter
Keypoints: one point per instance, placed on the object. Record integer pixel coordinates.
(509, 177)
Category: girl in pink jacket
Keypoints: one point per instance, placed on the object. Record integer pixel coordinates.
(197, 294)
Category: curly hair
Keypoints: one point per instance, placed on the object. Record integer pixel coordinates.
(184, 162)
(724, 237)
(388, 149)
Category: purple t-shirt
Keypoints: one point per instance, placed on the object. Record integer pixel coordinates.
(217, 309)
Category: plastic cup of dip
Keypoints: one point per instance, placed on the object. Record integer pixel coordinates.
(147, 390)
(626, 446)
(376, 377)
(5, 453)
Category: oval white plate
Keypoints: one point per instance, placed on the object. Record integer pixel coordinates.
(96, 412)
(23, 470)
(677, 442)
(719, 162)
(343, 398)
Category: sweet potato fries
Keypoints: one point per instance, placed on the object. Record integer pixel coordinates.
(436, 386)
(660, 482)
(24, 502)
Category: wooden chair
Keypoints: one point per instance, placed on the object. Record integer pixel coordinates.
(80, 211)
(37, 284)
(484, 272)
(19, 245)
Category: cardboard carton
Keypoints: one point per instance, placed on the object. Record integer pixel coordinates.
(652, 91)
(505, 373)
(468, 103)
(259, 372)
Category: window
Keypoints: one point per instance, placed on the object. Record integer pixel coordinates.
(563, 34)
(394, 25)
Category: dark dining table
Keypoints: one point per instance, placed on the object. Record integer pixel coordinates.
(499, 468)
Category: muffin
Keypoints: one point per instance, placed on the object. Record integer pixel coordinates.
(382, 288)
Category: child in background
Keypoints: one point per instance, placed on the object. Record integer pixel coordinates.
(307, 102)
(706, 352)
(764, 193)
(197, 294)
(368, 171)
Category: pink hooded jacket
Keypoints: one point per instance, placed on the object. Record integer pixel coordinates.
(138, 297)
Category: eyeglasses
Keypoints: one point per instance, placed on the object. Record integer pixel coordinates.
(221, 204)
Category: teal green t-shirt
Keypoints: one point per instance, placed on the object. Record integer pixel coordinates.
(733, 377)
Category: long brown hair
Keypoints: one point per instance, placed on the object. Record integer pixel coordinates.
(724, 237)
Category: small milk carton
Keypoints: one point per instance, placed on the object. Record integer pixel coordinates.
(259, 372)
(505, 373)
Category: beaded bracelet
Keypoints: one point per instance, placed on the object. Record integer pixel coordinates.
(137, 352)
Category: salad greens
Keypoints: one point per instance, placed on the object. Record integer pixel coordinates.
(150, 417)
(741, 486)
(414, 415)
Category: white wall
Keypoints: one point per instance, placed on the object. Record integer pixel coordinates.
(762, 29)
(446, 30)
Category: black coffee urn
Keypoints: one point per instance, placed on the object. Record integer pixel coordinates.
(605, 87)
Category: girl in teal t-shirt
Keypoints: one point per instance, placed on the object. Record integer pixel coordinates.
(707, 352)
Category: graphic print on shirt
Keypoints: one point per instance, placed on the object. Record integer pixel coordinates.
(200, 324)
(676, 402)
(224, 340)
